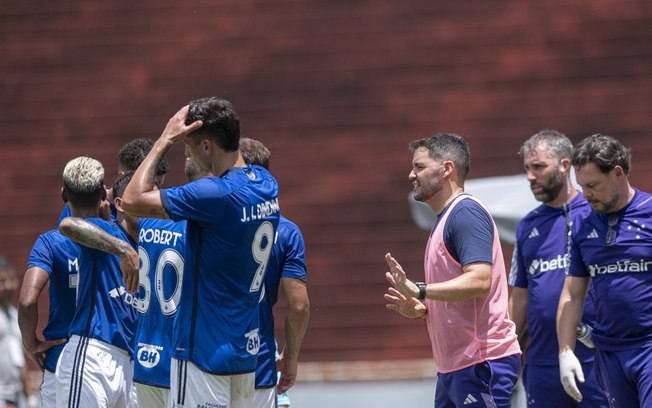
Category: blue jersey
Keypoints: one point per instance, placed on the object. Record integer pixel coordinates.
(539, 264)
(160, 247)
(232, 221)
(104, 308)
(67, 213)
(621, 273)
(287, 261)
(476, 244)
(59, 257)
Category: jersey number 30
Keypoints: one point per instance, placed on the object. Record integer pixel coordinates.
(174, 261)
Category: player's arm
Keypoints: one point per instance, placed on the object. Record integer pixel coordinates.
(569, 312)
(296, 323)
(141, 198)
(90, 235)
(34, 282)
(474, 282)
(518, 308)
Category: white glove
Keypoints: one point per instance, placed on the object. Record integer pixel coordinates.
(569, 368)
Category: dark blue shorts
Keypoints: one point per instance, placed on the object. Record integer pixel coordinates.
(627, 376)
(488, 384)
(544, 390)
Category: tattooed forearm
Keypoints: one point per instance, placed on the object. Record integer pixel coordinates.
(87, 234)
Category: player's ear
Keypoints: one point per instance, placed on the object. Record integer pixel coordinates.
(117, 202)
(64, 194)
(565, 166)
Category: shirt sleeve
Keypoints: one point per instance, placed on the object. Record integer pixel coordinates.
(200, 200)
(41, 255)
(517, 272)
(294, 265)
(576, 264)
(469, 233)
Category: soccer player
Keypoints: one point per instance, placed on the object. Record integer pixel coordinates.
(54, 261)
(129, 157)
(539, 264)
(473, 341)
(95, 369)
(161, 245)
(232, 219)
(611, 250)
(287, 269)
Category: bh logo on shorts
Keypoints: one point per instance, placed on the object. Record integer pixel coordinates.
(148, 355)
(253, 342)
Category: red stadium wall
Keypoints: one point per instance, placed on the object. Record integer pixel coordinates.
(336, 89)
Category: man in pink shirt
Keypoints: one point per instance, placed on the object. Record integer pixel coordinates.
(464, 296)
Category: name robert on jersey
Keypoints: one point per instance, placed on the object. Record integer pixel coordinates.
(157, 236)
(260, 210)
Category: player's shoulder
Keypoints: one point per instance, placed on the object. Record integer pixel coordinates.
(159, 223)
(52, 241)
(288, 230)
(535, 214)
(51, 235)
(642, 201)
(470, 206)
(287, 224)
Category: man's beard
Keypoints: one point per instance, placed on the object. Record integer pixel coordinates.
(551, 189)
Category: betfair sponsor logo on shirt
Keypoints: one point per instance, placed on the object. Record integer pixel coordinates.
(546, 265)
(260, 210)
(621, 267)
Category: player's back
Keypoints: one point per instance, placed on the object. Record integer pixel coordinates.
(286, 261)
(231, 225)
(160, 248)
(104, 308)
(59, 257)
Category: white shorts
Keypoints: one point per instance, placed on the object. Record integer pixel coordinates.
(91, 373)
(191, 387)
(48, 390)
(152, 397)
(265, 398)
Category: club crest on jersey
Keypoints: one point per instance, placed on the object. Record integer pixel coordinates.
(253, 342)
(148, 355)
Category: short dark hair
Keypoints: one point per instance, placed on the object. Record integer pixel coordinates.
(447, 146)
(220, 122)
(121, 183)
(603, 151)
(133, 153)
(255, 152)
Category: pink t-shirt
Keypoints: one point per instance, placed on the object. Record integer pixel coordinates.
(464, 333)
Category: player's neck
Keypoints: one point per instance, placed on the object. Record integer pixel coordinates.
(445, 196)
(565, 196)
(222, 161)
(84, 212)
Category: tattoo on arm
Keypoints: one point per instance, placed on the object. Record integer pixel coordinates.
(87, 234)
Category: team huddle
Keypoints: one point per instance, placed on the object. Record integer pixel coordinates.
(163, 297)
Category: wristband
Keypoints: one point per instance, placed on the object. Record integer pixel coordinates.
(422, 290)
